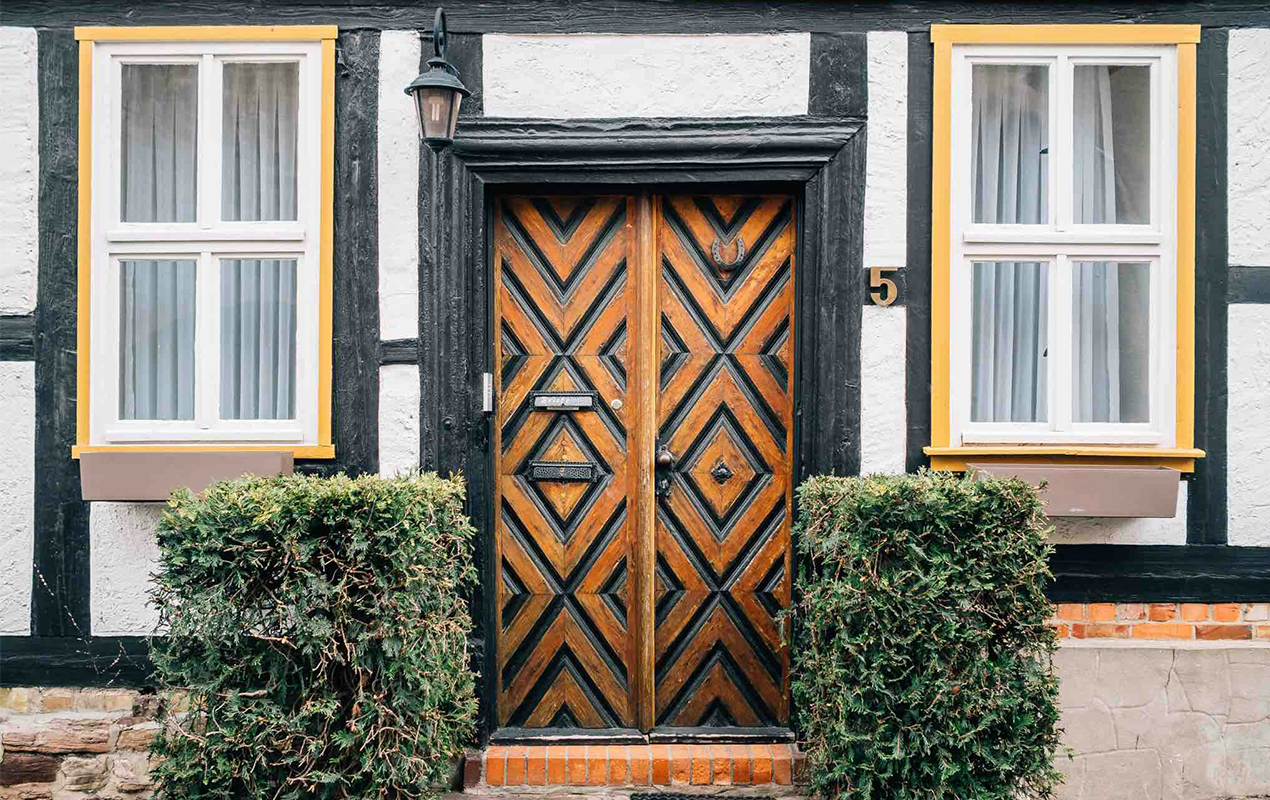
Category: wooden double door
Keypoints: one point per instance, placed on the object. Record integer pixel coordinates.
(644, 431)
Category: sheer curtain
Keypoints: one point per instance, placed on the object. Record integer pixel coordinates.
(1010, 135)
(258, 172)
(259, 144)
(158, 167)
(1110, 301)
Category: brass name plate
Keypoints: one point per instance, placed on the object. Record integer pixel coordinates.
(584, 471)
(564, 401)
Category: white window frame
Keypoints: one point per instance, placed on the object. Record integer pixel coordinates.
(207, 240)
(1059, 241)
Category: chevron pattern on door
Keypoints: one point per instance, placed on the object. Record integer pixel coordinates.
(564, 649)
(725, 410)
(617, 609)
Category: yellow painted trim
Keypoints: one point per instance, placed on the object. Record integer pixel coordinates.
(84, 243)
(208, 33)
(326, 244)
(302, 451)
(944, 37)
(1064, 34)
(941, 244)
(956, 458)
(1185, 245)
(87, 36)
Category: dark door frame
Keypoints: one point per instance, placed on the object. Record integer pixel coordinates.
(821, 159)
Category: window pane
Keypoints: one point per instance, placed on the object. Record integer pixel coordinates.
(257, 338)
(259, 141)
(1010, 364)
(1010, 143)
(159, 142)
(1111, 145)
(1111, 335)
(156, 339)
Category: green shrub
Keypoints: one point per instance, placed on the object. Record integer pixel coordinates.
(921, 654)
(320, 627)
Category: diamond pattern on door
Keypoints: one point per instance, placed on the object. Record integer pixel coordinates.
(564, 648)
(616, 609)
(724, 408)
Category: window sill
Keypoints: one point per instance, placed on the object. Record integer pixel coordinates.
(152, 476)
(322, 451)
(955, 458)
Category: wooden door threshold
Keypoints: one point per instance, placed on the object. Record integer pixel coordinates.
(659, 735)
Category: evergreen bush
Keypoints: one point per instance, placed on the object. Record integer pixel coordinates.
(922, 658)
(321, 629)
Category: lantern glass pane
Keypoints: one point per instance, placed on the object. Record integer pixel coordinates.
(436, 108)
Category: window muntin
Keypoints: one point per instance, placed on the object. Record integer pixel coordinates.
(1088, 188)
(233, 166)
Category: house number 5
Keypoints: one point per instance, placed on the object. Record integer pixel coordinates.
(882, 290)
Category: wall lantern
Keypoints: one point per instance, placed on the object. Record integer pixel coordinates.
(438, 92)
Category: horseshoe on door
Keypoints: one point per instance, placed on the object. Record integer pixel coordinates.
(716, 250)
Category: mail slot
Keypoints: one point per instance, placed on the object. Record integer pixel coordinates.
(584, 471)
(564, 401)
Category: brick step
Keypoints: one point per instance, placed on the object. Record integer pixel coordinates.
(510, 766)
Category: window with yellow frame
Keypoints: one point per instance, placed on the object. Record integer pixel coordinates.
(1063, 244)
(205, 225)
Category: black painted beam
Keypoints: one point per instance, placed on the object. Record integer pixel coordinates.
(73, 661)
(1159, 573)
(399, 351)
(1249, 285)
(917, 344)
(1206, 494)
(60, 586)
(17, 337)
(633, 16)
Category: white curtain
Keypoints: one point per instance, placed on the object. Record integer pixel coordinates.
(260, 134)
(158, 166)
(257, 338)
(1109, 300)
(1010, 131)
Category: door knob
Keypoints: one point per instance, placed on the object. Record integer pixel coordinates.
(665, 459)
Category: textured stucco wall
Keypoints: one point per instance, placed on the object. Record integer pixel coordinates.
(19, 170)
(122, 555)
(1248, 425)
(1248, 160)
(17, 486)
(882, 411)
(1125, 530)
(585, 75)
(1164, 722)
(883, 329)
(398, 187)
(398, 418)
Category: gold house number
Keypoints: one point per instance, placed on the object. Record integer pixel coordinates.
(879, 282)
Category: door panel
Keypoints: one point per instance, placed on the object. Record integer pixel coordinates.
(564, 547)
(617, 608)
(725, 412)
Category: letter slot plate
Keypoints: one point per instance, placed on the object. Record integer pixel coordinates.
(564, 401)
(563, 471)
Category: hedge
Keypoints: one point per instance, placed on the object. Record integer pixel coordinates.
(320, 627)
(922, 658)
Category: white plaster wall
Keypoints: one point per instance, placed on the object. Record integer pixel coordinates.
(588, 75)
(882, 412)
(1124, 530)
(19, 169)
(398, 418)
(1248, 424)
(17, 494)
(886, 173)
(123, 553)
(1248, 159)
(398, 187)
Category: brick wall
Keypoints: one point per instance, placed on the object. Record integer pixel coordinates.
(67, 743)
(1175, 621)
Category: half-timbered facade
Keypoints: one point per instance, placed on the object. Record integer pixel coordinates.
(680, 257)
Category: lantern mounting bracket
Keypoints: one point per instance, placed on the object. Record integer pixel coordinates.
(438, 92)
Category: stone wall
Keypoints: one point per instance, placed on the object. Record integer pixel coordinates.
(67, 743)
